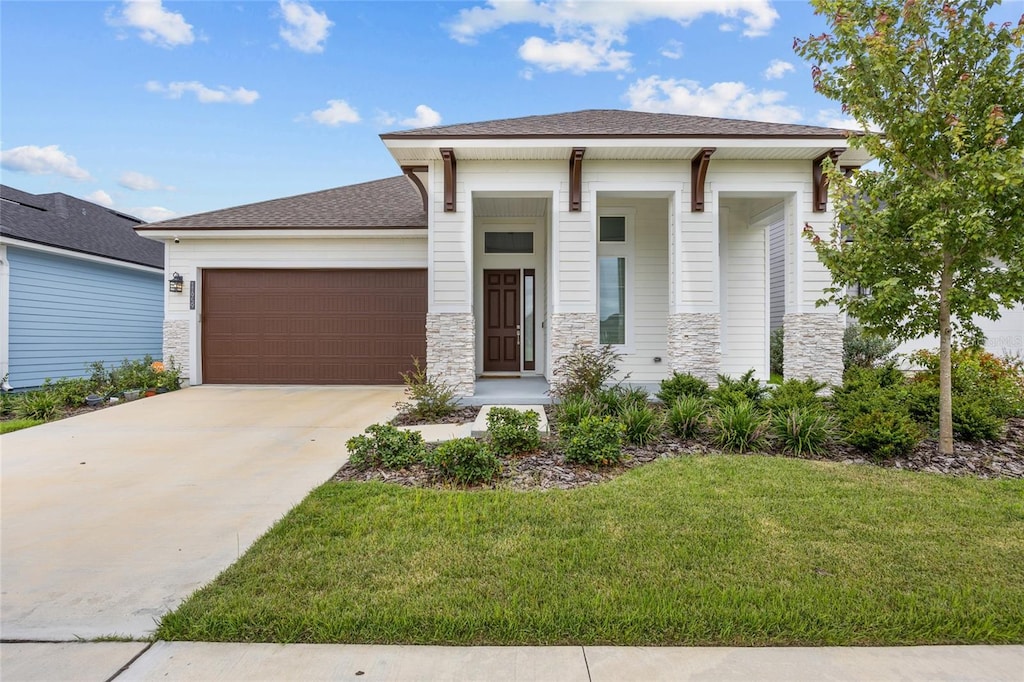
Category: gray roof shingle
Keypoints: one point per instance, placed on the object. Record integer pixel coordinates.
(388, 203)
(617, 123)
(66, 222)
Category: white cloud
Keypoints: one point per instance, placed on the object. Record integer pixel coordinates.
(673, 49)
(725, 100)
(727, 27)
(337, 112)
(777, 69)
(100, 197)
(425, 117)
(304, 29)
(577, 56)
(586, 35)
(43, 161)
(155, 24)
(205, 95)
(834, 119)
(151, 214)
(139, 182)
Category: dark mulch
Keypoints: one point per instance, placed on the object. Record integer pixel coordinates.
(547, 469)
(462, 415)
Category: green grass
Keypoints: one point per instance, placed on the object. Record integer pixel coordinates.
(710, 550)
(18, 424)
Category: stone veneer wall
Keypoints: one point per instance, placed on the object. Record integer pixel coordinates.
(564, 330)
(451, 354)
(176, 345)
(695, 344)
(813, 347)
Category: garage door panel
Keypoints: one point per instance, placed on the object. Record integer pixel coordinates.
(312, 326)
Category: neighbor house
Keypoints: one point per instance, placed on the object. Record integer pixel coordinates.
(77, 285)
(505, 242)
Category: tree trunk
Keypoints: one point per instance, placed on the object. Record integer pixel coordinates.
(945, 360)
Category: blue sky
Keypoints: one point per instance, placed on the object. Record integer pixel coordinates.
(172, 108)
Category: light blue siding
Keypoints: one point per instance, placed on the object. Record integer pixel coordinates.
(66, 313)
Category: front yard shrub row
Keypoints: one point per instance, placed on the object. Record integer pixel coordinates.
(54, 398)
(386, 447)
(595, 440)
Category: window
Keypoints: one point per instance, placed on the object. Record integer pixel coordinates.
(612, 229)
(612, 299)
(508, 242)
(614, 270)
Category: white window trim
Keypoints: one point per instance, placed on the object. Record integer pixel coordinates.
(625, 250)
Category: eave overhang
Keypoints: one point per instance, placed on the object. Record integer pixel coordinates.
(169, 234)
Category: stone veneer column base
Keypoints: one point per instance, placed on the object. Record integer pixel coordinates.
(451, 350)
(564, 331)
(813, 347)
(176, 345)
(695, 345)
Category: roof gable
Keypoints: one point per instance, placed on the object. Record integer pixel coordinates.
(597, 123)
(388, 203)
(66, 222)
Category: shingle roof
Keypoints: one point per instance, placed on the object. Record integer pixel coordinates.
(389, 203)
(617, 123)
(66, 222)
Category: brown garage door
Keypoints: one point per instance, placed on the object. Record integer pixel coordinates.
(312, 326)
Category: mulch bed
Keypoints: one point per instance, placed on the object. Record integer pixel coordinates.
(546, 469)
(463, 415)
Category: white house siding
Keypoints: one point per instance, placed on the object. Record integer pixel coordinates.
(1003, 337)
(744, 314)
(182, 325)
(647, 291)
(777, 275)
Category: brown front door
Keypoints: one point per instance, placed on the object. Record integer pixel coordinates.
(501, 320)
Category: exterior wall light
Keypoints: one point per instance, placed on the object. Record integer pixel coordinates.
(177, 284)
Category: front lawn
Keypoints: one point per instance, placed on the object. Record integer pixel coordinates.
(17, 424)
(720, 550)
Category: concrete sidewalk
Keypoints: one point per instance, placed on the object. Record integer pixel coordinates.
(208, 661)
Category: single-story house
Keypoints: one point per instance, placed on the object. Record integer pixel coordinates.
(505, 242)
(77, 285)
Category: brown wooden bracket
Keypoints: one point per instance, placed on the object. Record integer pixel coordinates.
(448, 156)
(821, 180)
(576, 179)
(698, 172)
(411, 173)
(848, 171)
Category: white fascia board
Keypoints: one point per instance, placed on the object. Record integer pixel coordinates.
(618, 142)
(43, 248)
(191, 233)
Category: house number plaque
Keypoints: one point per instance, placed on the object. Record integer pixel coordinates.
(192, 295)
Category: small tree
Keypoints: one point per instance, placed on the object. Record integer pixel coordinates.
(936, 234)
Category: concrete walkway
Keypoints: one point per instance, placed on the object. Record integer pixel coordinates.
(110, 519)
(207, 661)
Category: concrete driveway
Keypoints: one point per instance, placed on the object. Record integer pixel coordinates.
(110, 519)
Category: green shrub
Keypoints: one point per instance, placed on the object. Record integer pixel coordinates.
(634, 397)
(71, 392)
(974, 420)
(686, 416)
(7, 403)
(595, 440)
(42, 405)
(864, 349)
(734, 391)
(776, 345)
(922, 402)
(464, 460)
(979, 375)
(865, 390)
(585, 370)
(431, 397)
(738, 427)
(679, 385)
(511, 431)
(884, 434)
(795, 394)
(571, 411)
(609, 401)
(641, 423)
(387, 447)
(803, 430)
